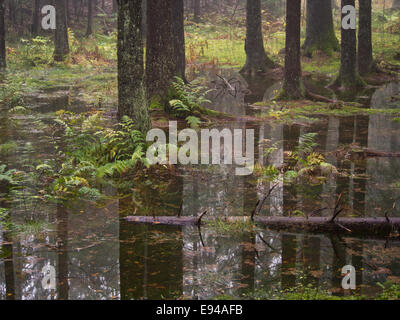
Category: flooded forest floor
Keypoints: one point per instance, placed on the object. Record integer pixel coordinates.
(59, 207)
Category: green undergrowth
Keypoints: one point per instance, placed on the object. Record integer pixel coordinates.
(231, 228)
(310, 111)
(389, 291)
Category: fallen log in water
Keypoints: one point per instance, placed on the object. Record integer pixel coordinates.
(360, 226)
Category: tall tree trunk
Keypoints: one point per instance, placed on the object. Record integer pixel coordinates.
(12, 12)
(61, 37)
(292, 84)
(365, 59)
(179, 37)
(35, 18)
(320, 34)
(348, 75)
(89, 29)
(2, 37)
(196, 10)
(256, 58)
(160, 60)
(132, 100)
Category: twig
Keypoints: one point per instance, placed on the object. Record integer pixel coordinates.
(267, 244)
(265, 198)
(198, 223)
(200, 236)
(180, 209)
(387, 211)
(254, 210)
(336, 212)
(343, 227)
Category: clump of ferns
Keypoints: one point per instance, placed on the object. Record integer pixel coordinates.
(304, 161)
(185, 100)
(92, 151)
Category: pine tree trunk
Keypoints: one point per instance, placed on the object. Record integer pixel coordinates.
(365, 59)
(292, 84)
(320, 34)
(256, 58)
(348, 75)
(35, 18)
(132, 100)
(12, 12)
(196, 9)
(61, 35)
(2, 37)
(89, 30)
(160, 59)
(179, 37)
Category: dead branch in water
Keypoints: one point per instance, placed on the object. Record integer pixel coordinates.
(374, 227)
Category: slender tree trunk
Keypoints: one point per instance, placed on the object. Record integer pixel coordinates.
(89, 29)
(61, 35)
(160, 59)
(68, 14)
(179, 37)
(196, 10)
(256, 58)
(132, 100)
(2, 37)
(348, 76)
(365, 59)
(12, 12)
(35, 18)
(292, 84)
(320, 34)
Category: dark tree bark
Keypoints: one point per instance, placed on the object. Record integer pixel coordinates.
(365, 59)
(160, 59)
(292, 84)
(179, 37)
(12, 12)
(61, 49)
(320, 34)
(348, 75)
(89, 29)
(256, 58)
(132, 100)
(2, 37)
(196, 10)
(35, 18)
